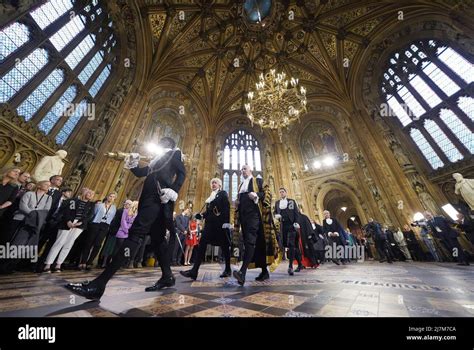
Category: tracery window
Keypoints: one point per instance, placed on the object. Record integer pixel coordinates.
(240, 148)
(428, 87)
(54, 61)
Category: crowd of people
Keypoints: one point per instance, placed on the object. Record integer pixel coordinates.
(86, 233)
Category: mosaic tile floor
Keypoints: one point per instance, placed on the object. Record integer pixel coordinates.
(368, 289)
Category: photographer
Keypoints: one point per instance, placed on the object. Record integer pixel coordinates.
(441, 228)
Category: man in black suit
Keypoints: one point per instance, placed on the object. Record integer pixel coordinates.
(286, 210)
(164, 177)
(250, 193)
(182, 227)
(441, 228)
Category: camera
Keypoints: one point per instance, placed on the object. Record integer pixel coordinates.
(419, 223)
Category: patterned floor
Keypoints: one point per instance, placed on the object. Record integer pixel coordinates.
(368, 289)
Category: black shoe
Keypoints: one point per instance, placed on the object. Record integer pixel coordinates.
(239, 276)
(466, 263)
(390, 261)
(189, 274)
(299, 268)
(86, 290)
(263, 276)
(336, 262)
(161, 283)
(290, 271)
(225, 274)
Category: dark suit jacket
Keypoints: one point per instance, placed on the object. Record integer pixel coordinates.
(168, 172)
(182, 223)
(55, 196)
(447, 232)
(67, 212)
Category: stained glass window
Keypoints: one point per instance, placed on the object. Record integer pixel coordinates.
(39, 96)
(417, 85)
(64, 35)
(458, 128)
(19, 75)
(100, 81)
(61, 21)
(442, 140)
(79, 112)
(240, 148)
(50, 11)
(426, 149)
(56, 112)
(80, 51)
(91, 67)
(11, 38)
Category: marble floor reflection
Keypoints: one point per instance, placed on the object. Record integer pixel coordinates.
(368, 289)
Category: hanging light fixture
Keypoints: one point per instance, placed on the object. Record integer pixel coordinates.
(277, 101)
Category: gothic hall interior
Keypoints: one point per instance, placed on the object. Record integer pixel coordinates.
(251, 158)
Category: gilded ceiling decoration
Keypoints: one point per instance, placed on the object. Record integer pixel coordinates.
(217, 49)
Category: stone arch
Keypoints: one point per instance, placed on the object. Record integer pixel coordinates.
(319, 193)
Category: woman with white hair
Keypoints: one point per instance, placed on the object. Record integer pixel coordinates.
(216, 229)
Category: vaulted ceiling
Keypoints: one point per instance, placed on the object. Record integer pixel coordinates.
(212, 50)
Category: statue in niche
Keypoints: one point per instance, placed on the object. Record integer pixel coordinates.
(197, 151)
(400, 156)
(291, 159)
(296, 184)
(268, 161)
(74, 179)
(192, 180)
(117, 97)
(464, 188)
(96, 136)
(426, 200)
(219, 157)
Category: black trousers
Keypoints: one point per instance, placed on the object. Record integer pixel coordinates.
(175, 245)
(452, 246)
(383, 250)
(153, 218)
(253, 239)
(201, 254)
(292, 243)
(95, 236)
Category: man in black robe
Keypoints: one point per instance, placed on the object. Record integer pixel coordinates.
(250, 220)
(216, 229)
(164, 177)
(333, 230)
(287, 211)
(311, 244)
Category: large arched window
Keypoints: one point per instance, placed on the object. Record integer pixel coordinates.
(428, 87)
(54, 63)
(240, 148)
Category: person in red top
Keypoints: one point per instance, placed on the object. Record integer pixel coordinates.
(191, 240)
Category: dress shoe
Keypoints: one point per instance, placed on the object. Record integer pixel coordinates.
(335, 262)
(86, 290)
(189, 274)
(225, 274)
(290, 271)
(263, 276)
(299, 268)
(240, 277)
(162, 283)
(466, 263)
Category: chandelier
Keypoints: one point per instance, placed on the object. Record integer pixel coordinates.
(277, 102)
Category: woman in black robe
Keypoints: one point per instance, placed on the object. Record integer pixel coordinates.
(216, 229)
